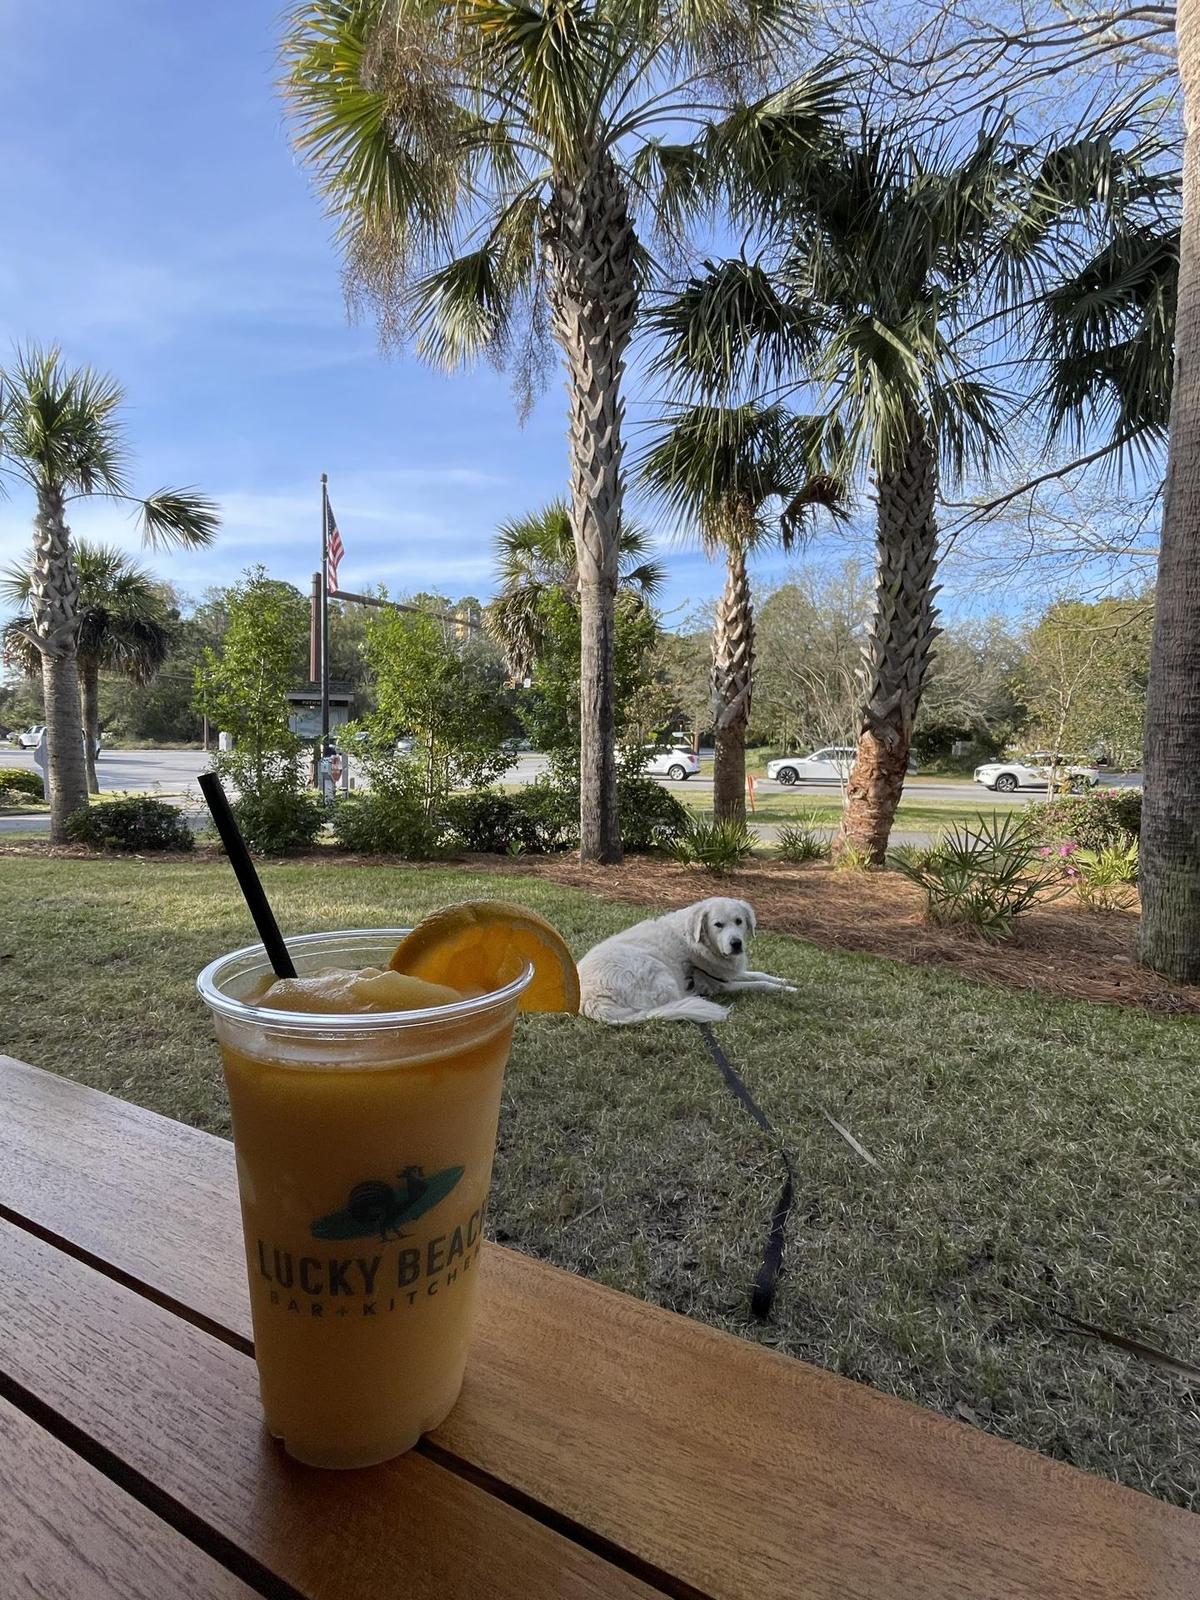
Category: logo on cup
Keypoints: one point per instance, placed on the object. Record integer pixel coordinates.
(376, 1207)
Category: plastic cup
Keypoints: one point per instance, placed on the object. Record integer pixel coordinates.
(364, 1148)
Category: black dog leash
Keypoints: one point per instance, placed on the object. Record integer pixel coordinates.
(767, 1281)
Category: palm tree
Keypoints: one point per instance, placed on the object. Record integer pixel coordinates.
(882, 252)
(490, 164)
(535, 555)
(122, 628)
(60, 433)
(741, 476)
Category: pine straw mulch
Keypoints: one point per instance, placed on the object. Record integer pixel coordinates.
(1059, 948)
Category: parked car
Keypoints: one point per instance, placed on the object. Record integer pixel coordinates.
(32, 737)
(829, 765)
(1033, 772)
(676, 762)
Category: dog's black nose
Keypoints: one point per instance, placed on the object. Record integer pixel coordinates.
(736, 946)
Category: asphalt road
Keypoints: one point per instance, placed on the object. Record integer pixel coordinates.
(173, 773)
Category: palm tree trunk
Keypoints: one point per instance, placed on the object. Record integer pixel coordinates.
(732, 681)
(589, 244)
(899, 650)
(54, 607)
(89, 699)
(1169, 866)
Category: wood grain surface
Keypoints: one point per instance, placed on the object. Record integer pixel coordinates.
(174, 1414)
(742, 1472)
(68, 1533)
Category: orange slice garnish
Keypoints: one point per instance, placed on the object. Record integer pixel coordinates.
(481, 945)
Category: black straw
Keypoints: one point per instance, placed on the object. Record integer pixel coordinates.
(247, 877)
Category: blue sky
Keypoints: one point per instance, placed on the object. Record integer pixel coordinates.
(156, 225)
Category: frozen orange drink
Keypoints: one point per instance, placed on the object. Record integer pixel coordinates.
(364, 1106)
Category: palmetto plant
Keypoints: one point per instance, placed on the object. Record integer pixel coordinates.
(882, 253)
(499, 172)
(60, 432)
(740, 477)
(122, 628)
(535, 555)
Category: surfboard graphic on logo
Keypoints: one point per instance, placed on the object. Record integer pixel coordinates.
(376, 1207)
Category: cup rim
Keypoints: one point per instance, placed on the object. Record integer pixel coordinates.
(345, 1021)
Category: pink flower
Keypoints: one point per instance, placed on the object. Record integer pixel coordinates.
(1067, 848)
(1074, 872)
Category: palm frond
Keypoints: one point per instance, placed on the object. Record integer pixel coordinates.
(184, 517)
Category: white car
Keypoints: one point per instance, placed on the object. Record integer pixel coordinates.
(830, 765)
(32, 737)
(1033, 772)
(677, 763)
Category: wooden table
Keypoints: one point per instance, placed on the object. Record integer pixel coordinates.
(601, 1447)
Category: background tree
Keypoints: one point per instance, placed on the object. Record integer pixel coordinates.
(123, 629)
(447, 694)
(535, 555)
(242, 688)
(60, 433)
(1084, 676)
(741, 477)
(811, 633)
(489, 167)
(682, 668)
(971, 692)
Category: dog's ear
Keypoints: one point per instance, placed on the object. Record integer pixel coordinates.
(751, 919)
(697, 918)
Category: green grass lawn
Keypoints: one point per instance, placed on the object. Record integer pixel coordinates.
(1039, 1157)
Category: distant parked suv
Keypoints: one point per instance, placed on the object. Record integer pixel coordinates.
(1033, 772)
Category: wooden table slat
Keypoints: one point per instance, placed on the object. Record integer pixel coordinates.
(180, 1410)
(69, 1533)
(739, 1470)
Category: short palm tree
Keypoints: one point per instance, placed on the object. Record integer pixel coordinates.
(535, 554)
(883, 252)
(740, 476)
(60, 433)
(496, 169)
(122, 628)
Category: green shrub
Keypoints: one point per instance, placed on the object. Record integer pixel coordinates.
(18, 784)
(550, 809)
(390, 817)
(982, 875)
(652, 818)
(274, 810)
(1102, 877)
(138, 823)
(487, 821)
(716, 846)
(1093, 820)
(801, 841)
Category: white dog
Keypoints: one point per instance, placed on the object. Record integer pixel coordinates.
(666, 967)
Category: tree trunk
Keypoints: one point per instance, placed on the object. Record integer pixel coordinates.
(1169, 868)
(899, 650)
(589, 244)
(54, 608)
(89, 699)
(732, 682)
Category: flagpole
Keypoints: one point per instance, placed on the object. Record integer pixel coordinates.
(324, 614)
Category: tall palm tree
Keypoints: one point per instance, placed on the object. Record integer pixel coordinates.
(122, 629)
(60, 433)
(741, 476)
(882, 252)
(535, 554)
(490, 164)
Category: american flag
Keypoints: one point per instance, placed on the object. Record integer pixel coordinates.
(335, 551)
